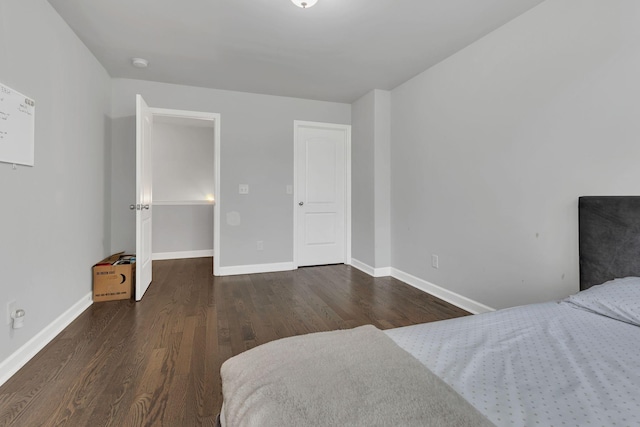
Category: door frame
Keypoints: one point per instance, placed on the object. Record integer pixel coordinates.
(347, 203)
(215, 118)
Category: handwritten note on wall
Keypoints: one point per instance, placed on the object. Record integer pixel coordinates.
(17, 127)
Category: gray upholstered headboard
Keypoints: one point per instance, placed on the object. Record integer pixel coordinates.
(609, 238)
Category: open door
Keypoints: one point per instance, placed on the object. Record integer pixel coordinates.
(144, 209)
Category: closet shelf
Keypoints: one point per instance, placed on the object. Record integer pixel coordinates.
(182, 202)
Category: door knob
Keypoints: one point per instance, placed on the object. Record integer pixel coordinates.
(138, 207)
(301, 203)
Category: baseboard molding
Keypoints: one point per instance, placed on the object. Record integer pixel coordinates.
(444, 294)
(256, 268)
(451, 297)
(20, 357)
(371, 271)
(182, 254)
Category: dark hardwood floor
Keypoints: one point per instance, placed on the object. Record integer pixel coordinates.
(157, 362)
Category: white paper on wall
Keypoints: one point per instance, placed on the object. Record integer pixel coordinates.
(17, 127)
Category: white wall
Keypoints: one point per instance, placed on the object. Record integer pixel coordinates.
(54, 220)
(256, 149)
(492, 148)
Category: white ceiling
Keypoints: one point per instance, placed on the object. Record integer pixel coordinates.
(336, 51)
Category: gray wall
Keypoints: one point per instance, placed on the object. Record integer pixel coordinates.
(362, 180)
(492, 148)
(182, 228)
(182, 175)
(489, 151)
(54, 218)
(371, 179)
(256, 149)
(382, 178)
(182, 162)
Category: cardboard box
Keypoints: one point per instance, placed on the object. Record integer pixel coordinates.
(113, 281)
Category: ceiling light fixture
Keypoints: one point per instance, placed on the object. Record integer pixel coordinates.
(305, 4)
(139, 62)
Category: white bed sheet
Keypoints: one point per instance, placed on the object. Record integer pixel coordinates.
(545, 364)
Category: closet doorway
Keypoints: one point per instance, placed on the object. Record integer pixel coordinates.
(184, 165)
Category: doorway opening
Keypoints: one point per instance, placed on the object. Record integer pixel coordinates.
(177, 188)
(186, 184)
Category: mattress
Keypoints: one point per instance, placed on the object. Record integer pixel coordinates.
(541, 364)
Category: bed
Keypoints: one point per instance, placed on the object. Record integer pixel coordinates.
(568, 362)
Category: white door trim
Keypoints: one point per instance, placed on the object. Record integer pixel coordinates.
(215, 117)
(347, 211)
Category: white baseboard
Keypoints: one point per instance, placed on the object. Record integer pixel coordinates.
(182, 254)
(20, 357)
(256, 268)
(444, 294)
(371, 271)
(451, 297)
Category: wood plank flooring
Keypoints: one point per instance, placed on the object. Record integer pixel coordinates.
(157, 362)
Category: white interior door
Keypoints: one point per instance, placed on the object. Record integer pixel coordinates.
(321, 193)
(144, 198)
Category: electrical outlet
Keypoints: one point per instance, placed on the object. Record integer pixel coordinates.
(434, 261)
(243, 189)
(11, 307)
(260, 245)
